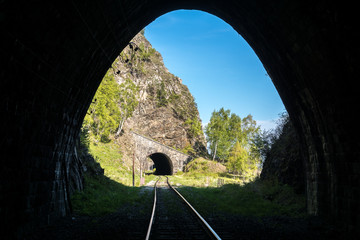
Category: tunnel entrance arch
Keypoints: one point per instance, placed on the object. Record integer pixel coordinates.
(162, 163)
(167, 159)
(54, 56)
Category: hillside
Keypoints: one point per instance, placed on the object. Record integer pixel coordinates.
(139, 94)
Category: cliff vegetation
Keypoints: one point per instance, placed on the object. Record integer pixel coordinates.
(139, 94)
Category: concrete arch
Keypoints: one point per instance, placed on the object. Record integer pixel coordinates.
(163, 164)
(54, 56)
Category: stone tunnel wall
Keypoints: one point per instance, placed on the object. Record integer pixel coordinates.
(53, 56)
(146, 146)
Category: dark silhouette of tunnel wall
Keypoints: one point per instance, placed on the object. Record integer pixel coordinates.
(162, 163)
(54, 55)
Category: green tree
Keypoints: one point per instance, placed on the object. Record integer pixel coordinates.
(104, 114)
(195, 127)
(216, 132)
(251, 135)
(260, 148)
(238, 159)
(235, 129)
(234, 140)
(128, 101)
(249, 129)
(111, 106)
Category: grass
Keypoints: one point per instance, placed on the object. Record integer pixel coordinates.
(106, 194)
(203, 173)
(110, 159)
(217, 191)
(253, 199)
(102, 195)
(206, 173)
(202, 180)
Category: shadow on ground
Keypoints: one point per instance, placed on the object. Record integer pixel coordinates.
(128, 218)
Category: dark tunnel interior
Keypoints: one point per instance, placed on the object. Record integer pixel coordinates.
(54, 54)
(162, 164)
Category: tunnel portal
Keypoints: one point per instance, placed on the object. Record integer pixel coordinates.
(55, 53)
(162, 163)
(167, 160)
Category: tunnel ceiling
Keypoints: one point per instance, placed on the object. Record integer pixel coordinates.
(54, 55)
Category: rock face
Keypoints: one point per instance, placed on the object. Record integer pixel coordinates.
(166, 106)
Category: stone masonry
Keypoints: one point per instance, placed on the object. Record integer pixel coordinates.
(146, 147)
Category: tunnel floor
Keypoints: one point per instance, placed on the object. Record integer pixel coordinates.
(131, 222)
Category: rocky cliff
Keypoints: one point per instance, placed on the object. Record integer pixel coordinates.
(166, 111)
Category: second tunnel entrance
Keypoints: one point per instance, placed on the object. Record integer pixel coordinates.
(162, 164)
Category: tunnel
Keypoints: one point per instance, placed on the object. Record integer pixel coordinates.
(54, 54)
(162, 164)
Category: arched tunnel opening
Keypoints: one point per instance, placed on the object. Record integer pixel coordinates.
(162, 163)
(54, 56)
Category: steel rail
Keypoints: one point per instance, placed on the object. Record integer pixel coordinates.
(153, 212)
(205, 224)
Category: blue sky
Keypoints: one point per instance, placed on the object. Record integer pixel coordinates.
(216, 63)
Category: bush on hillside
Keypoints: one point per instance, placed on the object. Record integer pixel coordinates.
(201, 165)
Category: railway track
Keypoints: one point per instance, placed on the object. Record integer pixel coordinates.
(174, 218)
